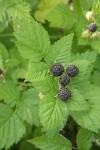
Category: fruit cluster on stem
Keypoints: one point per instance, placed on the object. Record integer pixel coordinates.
(58, 70)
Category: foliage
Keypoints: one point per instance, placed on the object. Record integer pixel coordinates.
(31, 114)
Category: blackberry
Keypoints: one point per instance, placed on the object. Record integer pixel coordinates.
(57, 69)
(72, 70)
(64, 93)
(64, 79)
(92, 27)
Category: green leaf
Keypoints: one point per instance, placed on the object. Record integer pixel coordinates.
(10, 126)
(61, 17)
(9, 92)
(2, 25)
(55, 143)
(80, 20)
(20, 11)
(32, 39)
(7, 112)
(84, 139)
(96, 7)
(95, 80)
(37, 72)
(84, 71)
(1, 61)
(88, 56)
(27, 107)
(77, 102)
(24, 145)
(4, 52)
(60, 51)
(86, 5)
(47, 85)
(44, 7)
(89, 119)
(95, 45)
(20, 73)
(53, 114)
(16, 60)
(4, 9)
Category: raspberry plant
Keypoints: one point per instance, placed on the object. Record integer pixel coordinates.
(49, 75)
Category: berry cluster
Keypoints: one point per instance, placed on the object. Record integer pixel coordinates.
(71, 71)
(91, 31)
(90, 17)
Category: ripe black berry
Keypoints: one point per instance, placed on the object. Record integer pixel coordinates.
(64, 93)
(72, 70)
(57, 69)
(64, 79)
(92, 27)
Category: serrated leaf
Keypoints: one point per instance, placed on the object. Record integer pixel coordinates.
(37, 72)
(10, 126)
(55, 143)
(90, 118)
(53, 114)
(32, 39)
(20, 11)
(27, 107)
(61, 17)
(60, 51)
(84, 139)
(9, 92)
(88, 56)
(4, 7)
(77, 102)
(47, 85)
(3, 51)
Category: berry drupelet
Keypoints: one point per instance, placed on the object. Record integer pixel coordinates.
(57, 69)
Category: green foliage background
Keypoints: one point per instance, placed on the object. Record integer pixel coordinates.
(34, 34)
